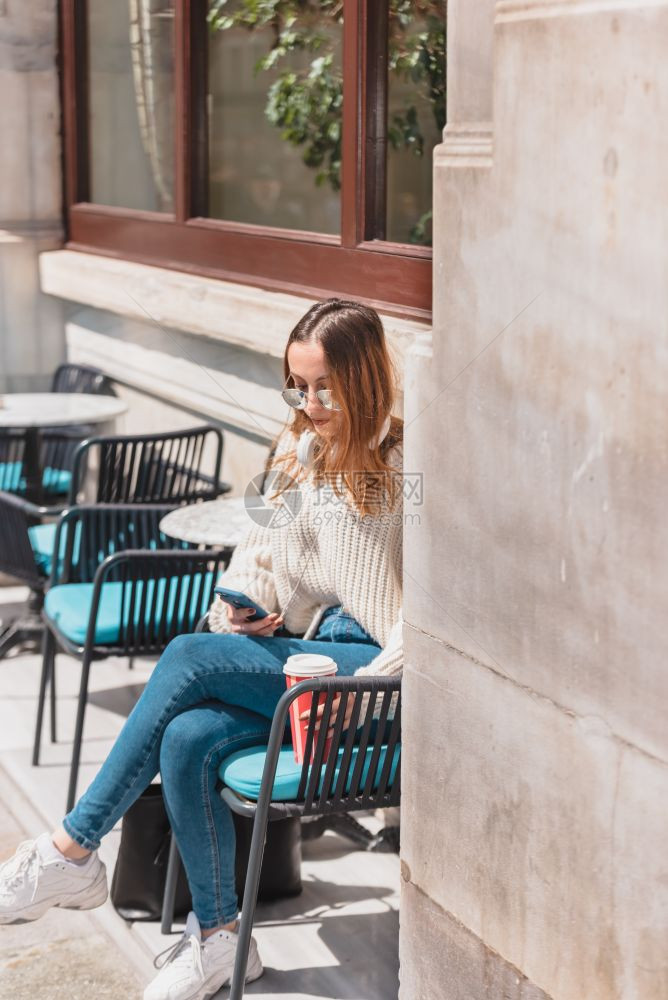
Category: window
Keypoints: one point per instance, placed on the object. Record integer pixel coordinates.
(284, 143)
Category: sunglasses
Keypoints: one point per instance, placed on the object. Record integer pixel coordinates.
(298, 398)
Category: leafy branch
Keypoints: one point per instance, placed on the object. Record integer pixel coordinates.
(306, 104)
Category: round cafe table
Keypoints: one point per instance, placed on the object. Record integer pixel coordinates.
(34, 411)
(214, 523)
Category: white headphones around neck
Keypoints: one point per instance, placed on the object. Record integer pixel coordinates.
(308, 439)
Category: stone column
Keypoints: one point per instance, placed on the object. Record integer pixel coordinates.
(535, 779)
(31, 329)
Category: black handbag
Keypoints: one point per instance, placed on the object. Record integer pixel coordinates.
(138, 883)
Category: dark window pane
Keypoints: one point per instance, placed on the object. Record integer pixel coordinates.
(416, 115)
(131, 103)
(274, 107)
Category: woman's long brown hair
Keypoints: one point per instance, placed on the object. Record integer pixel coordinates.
(363, 382)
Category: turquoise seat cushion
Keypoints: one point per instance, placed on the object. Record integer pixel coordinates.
(68, 606)
(242, 772)
(42, 539)
(56, 480)
(53, 480)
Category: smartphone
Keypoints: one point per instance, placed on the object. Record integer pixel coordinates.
(239, 600)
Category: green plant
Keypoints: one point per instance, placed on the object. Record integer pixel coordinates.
(306, 104)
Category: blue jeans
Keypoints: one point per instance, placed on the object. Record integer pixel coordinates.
(208, 696)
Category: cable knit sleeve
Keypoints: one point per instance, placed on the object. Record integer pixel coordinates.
(390, 660)
(251, 567)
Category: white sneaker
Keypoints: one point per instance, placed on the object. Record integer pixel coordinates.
(196, 969)
(38, 877)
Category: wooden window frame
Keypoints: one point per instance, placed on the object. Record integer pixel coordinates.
(396, 277)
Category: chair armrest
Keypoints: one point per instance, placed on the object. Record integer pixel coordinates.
(187, 577)
(31, 510)
(103, 527)
(203, 624)
(17, 557)
(145, 560)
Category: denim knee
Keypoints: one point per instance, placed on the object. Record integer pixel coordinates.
(177, 649)
(183, 745)
(180, 658)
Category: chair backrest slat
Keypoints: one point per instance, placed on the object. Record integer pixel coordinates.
(193, 595)
(128, 600)
(309, 753)
(176, 588)
(89, 533)
(348, 748)
(319, 752)
(163, 595)
(391, 746)
(181, 460)
(161, 633)
(150, 468)
(332, 759)
(138, 628)
(12, 450)
(376, 748)
(363, 744)
(70, 377)
(362, 769)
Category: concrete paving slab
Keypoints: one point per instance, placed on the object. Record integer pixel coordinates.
(61, 955)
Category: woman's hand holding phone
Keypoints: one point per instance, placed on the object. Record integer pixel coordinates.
(238, 621)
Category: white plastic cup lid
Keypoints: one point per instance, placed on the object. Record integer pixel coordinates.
(309, 665)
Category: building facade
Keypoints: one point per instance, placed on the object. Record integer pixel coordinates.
(536, 769)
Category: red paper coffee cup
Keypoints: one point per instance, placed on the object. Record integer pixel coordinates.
(302, 667)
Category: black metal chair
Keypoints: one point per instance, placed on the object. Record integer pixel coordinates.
(140, 590)
(54, 454)
(151, 468)
(60, 445)
(70, 377)
(19, 527)
(362, 772)
(12, 451)
(141, 469)
(18, 560)
(136, 469)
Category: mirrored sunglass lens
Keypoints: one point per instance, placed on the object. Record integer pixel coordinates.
(327, 400)
(293, 397)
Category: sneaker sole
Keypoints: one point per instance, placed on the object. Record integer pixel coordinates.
(94, 896)
(91, 897)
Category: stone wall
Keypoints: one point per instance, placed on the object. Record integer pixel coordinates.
(32, 340)
(535, 791)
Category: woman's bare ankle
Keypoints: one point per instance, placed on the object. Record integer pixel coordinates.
(68, 847)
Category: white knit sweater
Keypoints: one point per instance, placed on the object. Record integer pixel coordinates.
(326, 555)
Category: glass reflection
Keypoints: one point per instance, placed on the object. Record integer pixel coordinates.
(275, 92)
(416, 115)
(131, 103)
